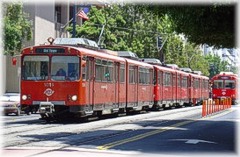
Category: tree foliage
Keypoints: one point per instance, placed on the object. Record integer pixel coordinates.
(135, 28)
(210, 24)
(215, 65)
(126, 28)
(17, 28)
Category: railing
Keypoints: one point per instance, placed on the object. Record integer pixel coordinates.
(212, 106)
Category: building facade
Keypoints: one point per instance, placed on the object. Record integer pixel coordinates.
(231, 56)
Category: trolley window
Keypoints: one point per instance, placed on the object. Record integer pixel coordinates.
(84, 65)
(35, 68)
(174, 80)
(178, 81)
(104, 70)
(141, 75)
(196, 83)
(144, 75)
(132, 75)
(167, 79)
(184, 82)
(116, 67)
(99, 69)
(65, 68)
(149, 76)
(122, 73)
(159, 77)
(230, 84)
(218, 84)
(206, 84)
(106, 74)
(108, 71)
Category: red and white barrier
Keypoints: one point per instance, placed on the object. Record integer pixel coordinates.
(215, 105)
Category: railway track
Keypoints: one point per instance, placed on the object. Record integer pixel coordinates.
(19, 134)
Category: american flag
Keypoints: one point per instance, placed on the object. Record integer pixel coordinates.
(82, 15)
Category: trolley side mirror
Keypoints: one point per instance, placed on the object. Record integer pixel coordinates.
(14, 61)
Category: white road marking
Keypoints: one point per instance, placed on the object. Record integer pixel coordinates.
(193, 141)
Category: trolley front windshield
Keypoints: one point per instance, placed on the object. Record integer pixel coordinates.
(226, 84)
(57, 68)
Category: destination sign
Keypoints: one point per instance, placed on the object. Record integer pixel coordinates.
(224, 77)
(50, 50)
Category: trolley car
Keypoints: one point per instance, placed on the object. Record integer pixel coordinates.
(73, 77)
(224, 85)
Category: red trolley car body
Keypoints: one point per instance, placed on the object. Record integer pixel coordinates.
(77, 79)
(225, 85)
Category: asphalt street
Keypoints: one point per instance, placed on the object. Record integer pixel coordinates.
(179, 132)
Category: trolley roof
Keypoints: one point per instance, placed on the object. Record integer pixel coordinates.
(127, 54)
(153, 61)
(76, 42)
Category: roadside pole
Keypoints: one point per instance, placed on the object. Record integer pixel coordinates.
(160, 44)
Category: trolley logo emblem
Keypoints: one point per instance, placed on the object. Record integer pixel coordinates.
(223, 93)
(48, 92)
(104, 87)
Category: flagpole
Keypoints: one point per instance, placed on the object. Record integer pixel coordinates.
(74, 21)
(71, 20)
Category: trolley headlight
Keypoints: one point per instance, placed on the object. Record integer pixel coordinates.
(74, 98)
(24, 97)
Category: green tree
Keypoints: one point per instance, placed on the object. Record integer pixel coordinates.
(105, 20)
(135, 28)
(215, 65)
(234, 69)
(17, 28)
(125, 28)
(173, 50)
(210, 24)
(185, 54)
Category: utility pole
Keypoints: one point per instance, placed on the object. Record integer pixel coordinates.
(190, 59)
(100, 36)
(160, 44)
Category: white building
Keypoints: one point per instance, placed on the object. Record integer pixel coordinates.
(229, 55)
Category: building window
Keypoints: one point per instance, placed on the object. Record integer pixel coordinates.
(58, 13)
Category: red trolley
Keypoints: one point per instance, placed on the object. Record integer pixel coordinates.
(225, 85)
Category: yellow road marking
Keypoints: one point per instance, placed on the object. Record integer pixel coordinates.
(147, 134)
(141, 136)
